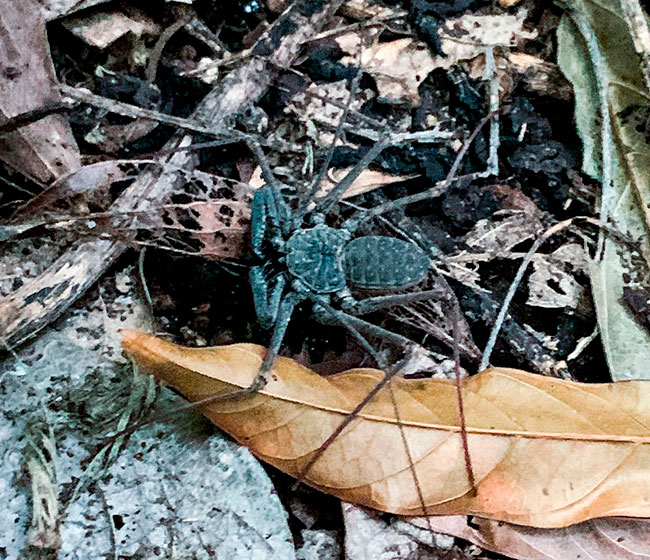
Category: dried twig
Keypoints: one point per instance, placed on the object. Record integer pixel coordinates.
(485, 361)
(39, 302)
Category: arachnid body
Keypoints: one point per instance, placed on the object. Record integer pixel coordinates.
(304, 259)
(324, 261)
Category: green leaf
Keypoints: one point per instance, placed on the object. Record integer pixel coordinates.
(597, 54)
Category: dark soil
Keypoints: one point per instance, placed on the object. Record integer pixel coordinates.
(202, 301)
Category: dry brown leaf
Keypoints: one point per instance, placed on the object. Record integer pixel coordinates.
(398, 67)
(370, 536)
(545, 452)
(100, 29)
(552, 283)
(598, 539)
(53, 9)
(498, 236)
(215, 224)
(46, 149)
(367, 181)
(212, 229)
(466, 37)
(363, 9)
(323, 103)
(69, 192)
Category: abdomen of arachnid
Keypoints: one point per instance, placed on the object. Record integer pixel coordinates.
(377, 262)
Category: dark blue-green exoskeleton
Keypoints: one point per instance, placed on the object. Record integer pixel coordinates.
(304, 259)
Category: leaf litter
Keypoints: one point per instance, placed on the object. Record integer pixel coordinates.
(195, 314)
(45, 150)
(595, 44)
(592, 437)
(100, 29)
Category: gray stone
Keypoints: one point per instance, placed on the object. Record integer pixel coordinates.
(178, 489)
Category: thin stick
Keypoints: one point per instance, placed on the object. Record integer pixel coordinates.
(485, 360)
(353, 27)
(165, 36)
(143, 280)
(493, 89)
(313, 191)
(29, 117)
(438, 189)
(126, 109)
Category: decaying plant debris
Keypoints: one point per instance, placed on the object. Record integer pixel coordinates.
(127, 139)
(514, 421)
